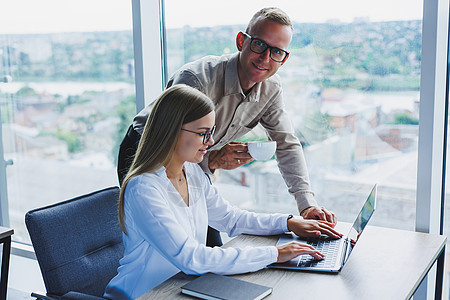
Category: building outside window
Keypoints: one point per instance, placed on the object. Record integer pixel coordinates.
(67, 96)
(351, 86)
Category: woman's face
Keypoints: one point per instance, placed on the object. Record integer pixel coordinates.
(190, 145)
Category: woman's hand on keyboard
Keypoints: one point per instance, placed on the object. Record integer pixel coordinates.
(291, 250)
(312, 228)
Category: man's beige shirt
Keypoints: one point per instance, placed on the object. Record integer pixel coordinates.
(237, 114)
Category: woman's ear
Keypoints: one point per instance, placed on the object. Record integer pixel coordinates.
(239, 40)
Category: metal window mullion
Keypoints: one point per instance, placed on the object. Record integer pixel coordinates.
(432, 131)
(432, 119)
(4, 206)
(163, 40)
(149, 58)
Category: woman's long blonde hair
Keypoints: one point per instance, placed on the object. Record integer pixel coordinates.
(178, 105)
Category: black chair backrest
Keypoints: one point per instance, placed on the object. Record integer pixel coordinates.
(78, 242)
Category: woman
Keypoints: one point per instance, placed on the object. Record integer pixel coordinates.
(166, 203)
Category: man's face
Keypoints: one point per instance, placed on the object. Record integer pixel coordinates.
(253, 67)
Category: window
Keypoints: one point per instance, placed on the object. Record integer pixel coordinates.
(446, 209)
(351, 86)
(67, 96)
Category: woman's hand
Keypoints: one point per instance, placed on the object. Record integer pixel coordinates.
(291, 250)
(312, 228)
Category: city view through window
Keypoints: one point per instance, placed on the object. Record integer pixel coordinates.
(352, 92)
(351, 87)
(67, 96)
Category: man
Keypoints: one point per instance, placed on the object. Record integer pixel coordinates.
(246, 91)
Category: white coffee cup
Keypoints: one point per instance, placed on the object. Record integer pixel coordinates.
(262, 150)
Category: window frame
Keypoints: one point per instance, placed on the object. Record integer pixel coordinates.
(150, 54)
(433, 128)
(432, 116)
(432, 103)
(149, 33)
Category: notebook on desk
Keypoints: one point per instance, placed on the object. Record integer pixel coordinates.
(336, 252)
(219, 287)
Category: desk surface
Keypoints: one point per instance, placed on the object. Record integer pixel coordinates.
(5, 232)
(386, 264)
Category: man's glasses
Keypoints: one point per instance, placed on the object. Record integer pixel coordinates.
(206, 135)
(259, 46)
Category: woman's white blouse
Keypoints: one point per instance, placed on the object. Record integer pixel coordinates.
(166, 236)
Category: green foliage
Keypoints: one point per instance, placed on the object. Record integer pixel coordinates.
(26, 91)
(357, 55)
(381, 66)
(89, 56)
(199, 42)
(400, 83)
(6, 113)
(71, 100)
(126, 111)
(72, 140)
(248, 138)
(405, 119)
(346, 55)
(314, 128)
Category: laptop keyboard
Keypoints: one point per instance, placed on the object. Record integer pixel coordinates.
(327, 247)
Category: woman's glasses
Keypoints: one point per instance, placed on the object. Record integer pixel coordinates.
(259, 46)
(206, 135)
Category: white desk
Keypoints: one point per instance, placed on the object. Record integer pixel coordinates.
(386, 264)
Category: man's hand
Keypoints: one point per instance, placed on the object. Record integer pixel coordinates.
(319, 213)
(312, 228)
(229, 157)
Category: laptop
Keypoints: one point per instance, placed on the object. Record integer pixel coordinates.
(336, 252)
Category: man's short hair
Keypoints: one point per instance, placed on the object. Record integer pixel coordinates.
(273, 14)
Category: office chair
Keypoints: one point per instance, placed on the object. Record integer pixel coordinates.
(78, 244)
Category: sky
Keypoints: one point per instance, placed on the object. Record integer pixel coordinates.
(42, 16)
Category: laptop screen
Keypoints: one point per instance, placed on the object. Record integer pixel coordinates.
(362, 220)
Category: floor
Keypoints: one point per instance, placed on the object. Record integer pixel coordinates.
(24, 278)
(14, 294)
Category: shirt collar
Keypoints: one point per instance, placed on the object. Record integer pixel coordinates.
(232, 84)
(255, 93)
(161, 172)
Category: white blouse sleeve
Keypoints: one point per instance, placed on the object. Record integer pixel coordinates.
(157, 224)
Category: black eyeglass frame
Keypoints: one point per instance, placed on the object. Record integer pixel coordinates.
(267, 47)
(206, 135)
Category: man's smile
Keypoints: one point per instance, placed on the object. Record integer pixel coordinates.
(259, 68)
